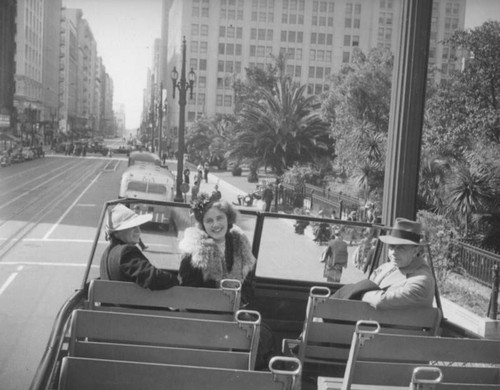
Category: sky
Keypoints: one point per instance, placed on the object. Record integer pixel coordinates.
(125, 31)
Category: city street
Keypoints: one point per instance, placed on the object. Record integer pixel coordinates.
(49, 209)
(48, 212)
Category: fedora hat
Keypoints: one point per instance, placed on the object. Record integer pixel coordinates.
(121, 217)
(404, 232)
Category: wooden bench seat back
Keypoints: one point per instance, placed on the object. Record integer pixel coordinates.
(161, 331)
(376, 358)
(162, 355)
(106, 295)
(95, 374)
(330, 323)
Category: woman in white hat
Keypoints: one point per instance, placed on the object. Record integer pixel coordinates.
(123, 260)
(406, 280)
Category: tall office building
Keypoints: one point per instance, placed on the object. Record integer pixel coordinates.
(29, 61)
(226, 36)
(8, 12)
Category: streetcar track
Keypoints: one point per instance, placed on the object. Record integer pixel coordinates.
(24, 184)
(28, 226)
(35, 200)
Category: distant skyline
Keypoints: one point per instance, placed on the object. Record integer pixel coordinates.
(125, 31)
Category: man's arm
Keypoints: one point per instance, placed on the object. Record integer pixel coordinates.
(414, 291)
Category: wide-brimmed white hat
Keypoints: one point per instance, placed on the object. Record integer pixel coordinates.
(121, 217)
(404, 232)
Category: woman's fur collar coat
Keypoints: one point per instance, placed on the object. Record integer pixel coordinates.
(206, 255)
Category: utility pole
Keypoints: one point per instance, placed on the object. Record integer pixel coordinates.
(152, 113)
(160, 118)
(183, 85)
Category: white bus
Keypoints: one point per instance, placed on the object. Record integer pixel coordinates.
(149, 182)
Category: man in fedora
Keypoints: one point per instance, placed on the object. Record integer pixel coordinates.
(406, 280)
(123, 260)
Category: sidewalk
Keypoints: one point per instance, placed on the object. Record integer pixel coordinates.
(230, 186)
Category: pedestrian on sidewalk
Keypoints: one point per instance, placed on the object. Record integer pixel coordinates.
(216, 194)
(195, 189)
(268, 196)
(335, 258)
(206, 169)
(199, 170)
(186, 174)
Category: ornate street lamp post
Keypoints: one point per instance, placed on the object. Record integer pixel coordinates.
(183, 86)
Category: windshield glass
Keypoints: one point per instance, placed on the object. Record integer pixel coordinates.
(286, 255)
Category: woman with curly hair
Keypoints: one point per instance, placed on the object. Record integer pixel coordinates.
(215, 248)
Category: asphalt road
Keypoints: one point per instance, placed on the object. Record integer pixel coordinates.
(48, 212)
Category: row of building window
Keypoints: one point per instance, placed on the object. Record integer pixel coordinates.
(349, 9)
(385, 18)
(196, 11)
(224, 100)
(292, 19)
(230, 49)
(318, 72)
(292, 36)
(201, 65)
(229, 66)
(229, 32)
(263, 3)
(323, 7)
(387, 4)
(199, 29)
(232, 3)
(384, 33)
(262, 16)
(203, 47)
(262, 34)
(294, 5)
(317, 89)
(292, 53)
(321, 38)
(231, 14)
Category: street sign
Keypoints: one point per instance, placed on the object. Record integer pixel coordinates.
(184, 188)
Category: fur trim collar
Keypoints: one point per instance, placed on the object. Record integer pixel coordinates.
(206, 255)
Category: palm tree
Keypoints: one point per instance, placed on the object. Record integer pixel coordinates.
(469, 192)
(433, 173)
(209, 138)
(282, 128)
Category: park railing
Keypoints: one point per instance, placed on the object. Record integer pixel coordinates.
(476, 262)
(316, 198)
(482, 266)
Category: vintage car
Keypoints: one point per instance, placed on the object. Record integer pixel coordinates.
(5, 160)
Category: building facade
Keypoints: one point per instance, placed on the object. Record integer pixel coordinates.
(8, 11)
(51, 70)
(29, 92)
(226, 36)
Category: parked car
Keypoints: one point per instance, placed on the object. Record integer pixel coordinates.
(17, 156)
(28, 154)
(5, 160)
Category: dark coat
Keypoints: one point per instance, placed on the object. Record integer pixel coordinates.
(126, 263)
